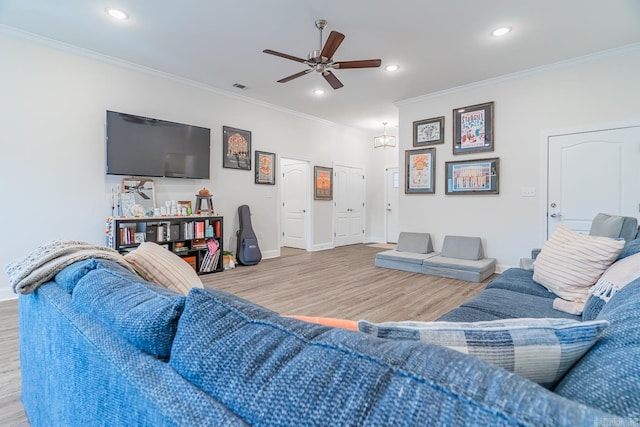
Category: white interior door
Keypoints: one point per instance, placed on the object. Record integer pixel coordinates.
(348, 195)
(392, 194)
(295, 201)
(592, 172)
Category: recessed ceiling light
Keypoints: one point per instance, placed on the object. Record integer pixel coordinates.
(392, 67)
(318, 92)
(498, 32)
(116, 13)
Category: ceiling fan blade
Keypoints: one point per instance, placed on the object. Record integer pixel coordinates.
(332, 79)
(365, 63)
(284, 55)
(295, 76)
(332, 44)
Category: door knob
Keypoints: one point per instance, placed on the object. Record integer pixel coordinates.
(555, 215)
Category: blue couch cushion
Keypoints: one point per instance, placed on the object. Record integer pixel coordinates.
(69, 276)
(468, 314)
(280, 371)
(506, 304)
(520, 280)
(630, 248)
(144, 313)
(608, 377)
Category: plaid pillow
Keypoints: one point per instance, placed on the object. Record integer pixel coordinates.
(542, 350)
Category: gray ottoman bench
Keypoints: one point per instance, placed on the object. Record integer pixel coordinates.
(411, 251)
(461, 258)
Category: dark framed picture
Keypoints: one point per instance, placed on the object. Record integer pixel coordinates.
(473, 129)
(236, 148)
(473, 176)
(420, 173)
(428, 131)
(322, 183)
(265, 168)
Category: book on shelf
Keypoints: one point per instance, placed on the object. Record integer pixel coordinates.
(210, 261)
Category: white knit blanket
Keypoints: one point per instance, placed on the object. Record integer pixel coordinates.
(41, 265)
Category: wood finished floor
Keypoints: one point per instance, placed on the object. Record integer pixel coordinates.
(340, 282)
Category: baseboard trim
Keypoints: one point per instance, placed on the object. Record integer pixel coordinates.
(323, 246)
(7, 294)
(271, 254)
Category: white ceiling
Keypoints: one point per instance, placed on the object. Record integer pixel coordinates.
(438, 44)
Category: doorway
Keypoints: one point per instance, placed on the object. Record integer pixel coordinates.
(295, 203)
(592, 172)
(349, 195)
(392, 194)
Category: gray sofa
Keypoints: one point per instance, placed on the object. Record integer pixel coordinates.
(461, 257)
(100, 346)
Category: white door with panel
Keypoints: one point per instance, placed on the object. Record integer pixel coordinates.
(295, 200)
(348, 196)
(592, 172)
(392, 195)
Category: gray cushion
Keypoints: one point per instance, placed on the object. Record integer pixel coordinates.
(419, 243)
(462, 247)
(410, 257)
(614, 226)
(460, 264)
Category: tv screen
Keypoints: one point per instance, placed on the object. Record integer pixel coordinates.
(142, 146)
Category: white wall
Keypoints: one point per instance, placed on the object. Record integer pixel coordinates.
(602, 89)
(52, 113)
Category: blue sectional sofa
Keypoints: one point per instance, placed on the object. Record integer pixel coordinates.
(100, 346)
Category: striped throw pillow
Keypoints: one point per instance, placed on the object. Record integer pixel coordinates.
(159, 265)
(570, 262)
(542, 350)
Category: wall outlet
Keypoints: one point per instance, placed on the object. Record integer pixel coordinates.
(528, 192)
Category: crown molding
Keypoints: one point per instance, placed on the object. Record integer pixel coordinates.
(623, 50)
(86, 53)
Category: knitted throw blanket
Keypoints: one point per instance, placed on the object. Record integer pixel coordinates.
(41, 265)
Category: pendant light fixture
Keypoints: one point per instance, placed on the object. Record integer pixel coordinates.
(384, 140)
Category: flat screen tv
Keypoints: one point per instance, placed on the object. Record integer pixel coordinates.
(142, 146)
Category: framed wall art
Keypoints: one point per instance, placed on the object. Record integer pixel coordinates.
(420, 168)
(138, 191)
(236, 148)
(473, 129)
(265, 168)
(473, 176)
(322, 183)
(428, 132)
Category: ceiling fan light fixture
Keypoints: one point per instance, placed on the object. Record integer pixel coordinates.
(384, 140)
(116, 13)
(318, 92)
(392, 67)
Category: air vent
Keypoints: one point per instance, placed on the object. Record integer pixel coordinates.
(239, 86)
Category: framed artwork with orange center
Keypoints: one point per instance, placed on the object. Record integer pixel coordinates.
(322, 183)
(265, 168)
(420, 168)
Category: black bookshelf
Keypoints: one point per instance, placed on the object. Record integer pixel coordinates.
(189, 237)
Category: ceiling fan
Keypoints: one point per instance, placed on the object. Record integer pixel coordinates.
(321, 60)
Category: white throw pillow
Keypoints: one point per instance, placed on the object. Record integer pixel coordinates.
(570, 262)
(159, 265)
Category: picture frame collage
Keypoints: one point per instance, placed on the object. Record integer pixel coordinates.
(473, 132)
(236, 154)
